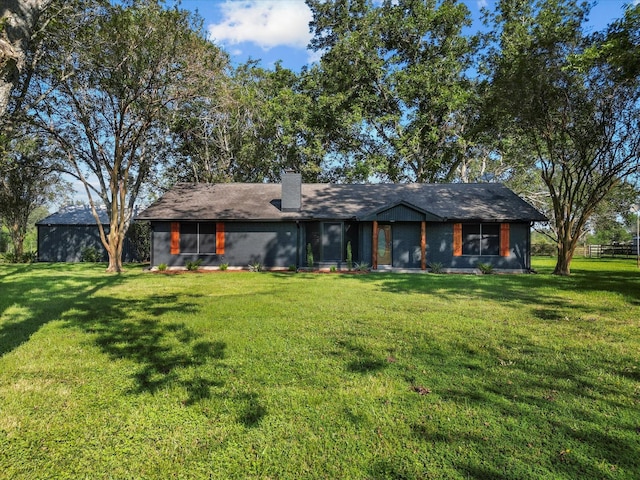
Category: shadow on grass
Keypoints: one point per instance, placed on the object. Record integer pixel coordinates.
(33, 296)
(521, 289)
(165, 353)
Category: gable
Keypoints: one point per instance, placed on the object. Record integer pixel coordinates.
(401, 212)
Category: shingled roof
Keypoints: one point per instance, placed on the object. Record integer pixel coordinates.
(323, 201)
(75, 215)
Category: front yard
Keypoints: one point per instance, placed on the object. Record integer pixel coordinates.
(282, 375)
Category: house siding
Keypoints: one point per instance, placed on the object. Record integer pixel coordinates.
(440, 249)
(65, 243)
(282, 244)
(272, 244)
(406, 245)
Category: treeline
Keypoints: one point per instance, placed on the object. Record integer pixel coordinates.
(130, 97)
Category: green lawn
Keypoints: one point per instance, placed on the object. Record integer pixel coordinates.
(281, 375)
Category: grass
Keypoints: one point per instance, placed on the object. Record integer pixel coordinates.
(282, 375)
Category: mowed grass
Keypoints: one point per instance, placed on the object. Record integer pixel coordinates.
(280, 375)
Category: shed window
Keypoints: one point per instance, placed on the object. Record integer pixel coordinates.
(198, 238)
(481, 239)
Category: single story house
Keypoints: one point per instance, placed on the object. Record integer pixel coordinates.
(64, 236)
(387, 226)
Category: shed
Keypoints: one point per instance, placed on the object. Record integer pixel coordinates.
(64, 235)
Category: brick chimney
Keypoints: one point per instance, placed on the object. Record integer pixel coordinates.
(291, 191)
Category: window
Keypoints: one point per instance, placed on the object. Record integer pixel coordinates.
(481, 239)
(478, 239)
(193, 237)
(326, 239)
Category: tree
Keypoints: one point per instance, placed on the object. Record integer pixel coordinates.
(254, 124)
(19, 24)
(392, 86)
(556, 91)
(28, 180)
(121, 77)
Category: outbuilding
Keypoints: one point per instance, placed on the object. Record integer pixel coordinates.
(65, 235)
(386, 226)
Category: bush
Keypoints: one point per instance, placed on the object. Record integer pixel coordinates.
(223, 266)
(485, 268)
(26, 257)
(349, 256)
(139, 235)
(255, 267)
(162, 267)
(361, 267)
(193, 265)
(293, 268)
(90, 254)
(436, 267)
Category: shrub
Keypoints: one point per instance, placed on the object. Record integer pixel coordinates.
(309, 256)
(255, 267)
(194, 265)
(139, 234)
(162, 267)
(485, 268)
(90, 254)
(26, 257)
(361, 267)
(223, 266)
(333, 268)
(293, 268)
(436, 267)
(349, 256)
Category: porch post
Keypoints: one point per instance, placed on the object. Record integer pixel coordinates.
(374, 250)
(423, 245)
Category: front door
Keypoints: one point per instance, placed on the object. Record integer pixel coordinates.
(384, 244)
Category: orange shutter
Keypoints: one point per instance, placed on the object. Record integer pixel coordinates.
(219, 238)
(505, 248)
(457, 239)
(175, 238)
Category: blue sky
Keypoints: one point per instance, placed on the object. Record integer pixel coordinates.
(272, 30)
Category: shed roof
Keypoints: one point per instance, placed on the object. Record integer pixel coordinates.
(324, 201)
(75, 215)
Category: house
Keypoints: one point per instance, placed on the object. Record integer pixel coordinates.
(66, 234)
(388, 226)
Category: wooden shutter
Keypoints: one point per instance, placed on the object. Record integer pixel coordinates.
(505, 248)
(219, 238)
(175, 238)
(457, 239)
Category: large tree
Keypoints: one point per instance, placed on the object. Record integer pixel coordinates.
(393, 85)
(561, 95)
(254, 124)
(28, 181)
(121, 77)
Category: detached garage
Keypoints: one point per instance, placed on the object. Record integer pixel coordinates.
(64, 235)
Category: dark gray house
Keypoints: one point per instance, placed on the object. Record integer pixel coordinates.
(389, 226)
(64, 235)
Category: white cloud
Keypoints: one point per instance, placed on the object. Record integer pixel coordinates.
(481, 4)
(267, 23)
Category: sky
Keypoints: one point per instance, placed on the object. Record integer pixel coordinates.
(278, 30)
(272, 30)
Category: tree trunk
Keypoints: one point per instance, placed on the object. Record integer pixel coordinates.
(114, 250)
(17, 238)
(566, 249)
